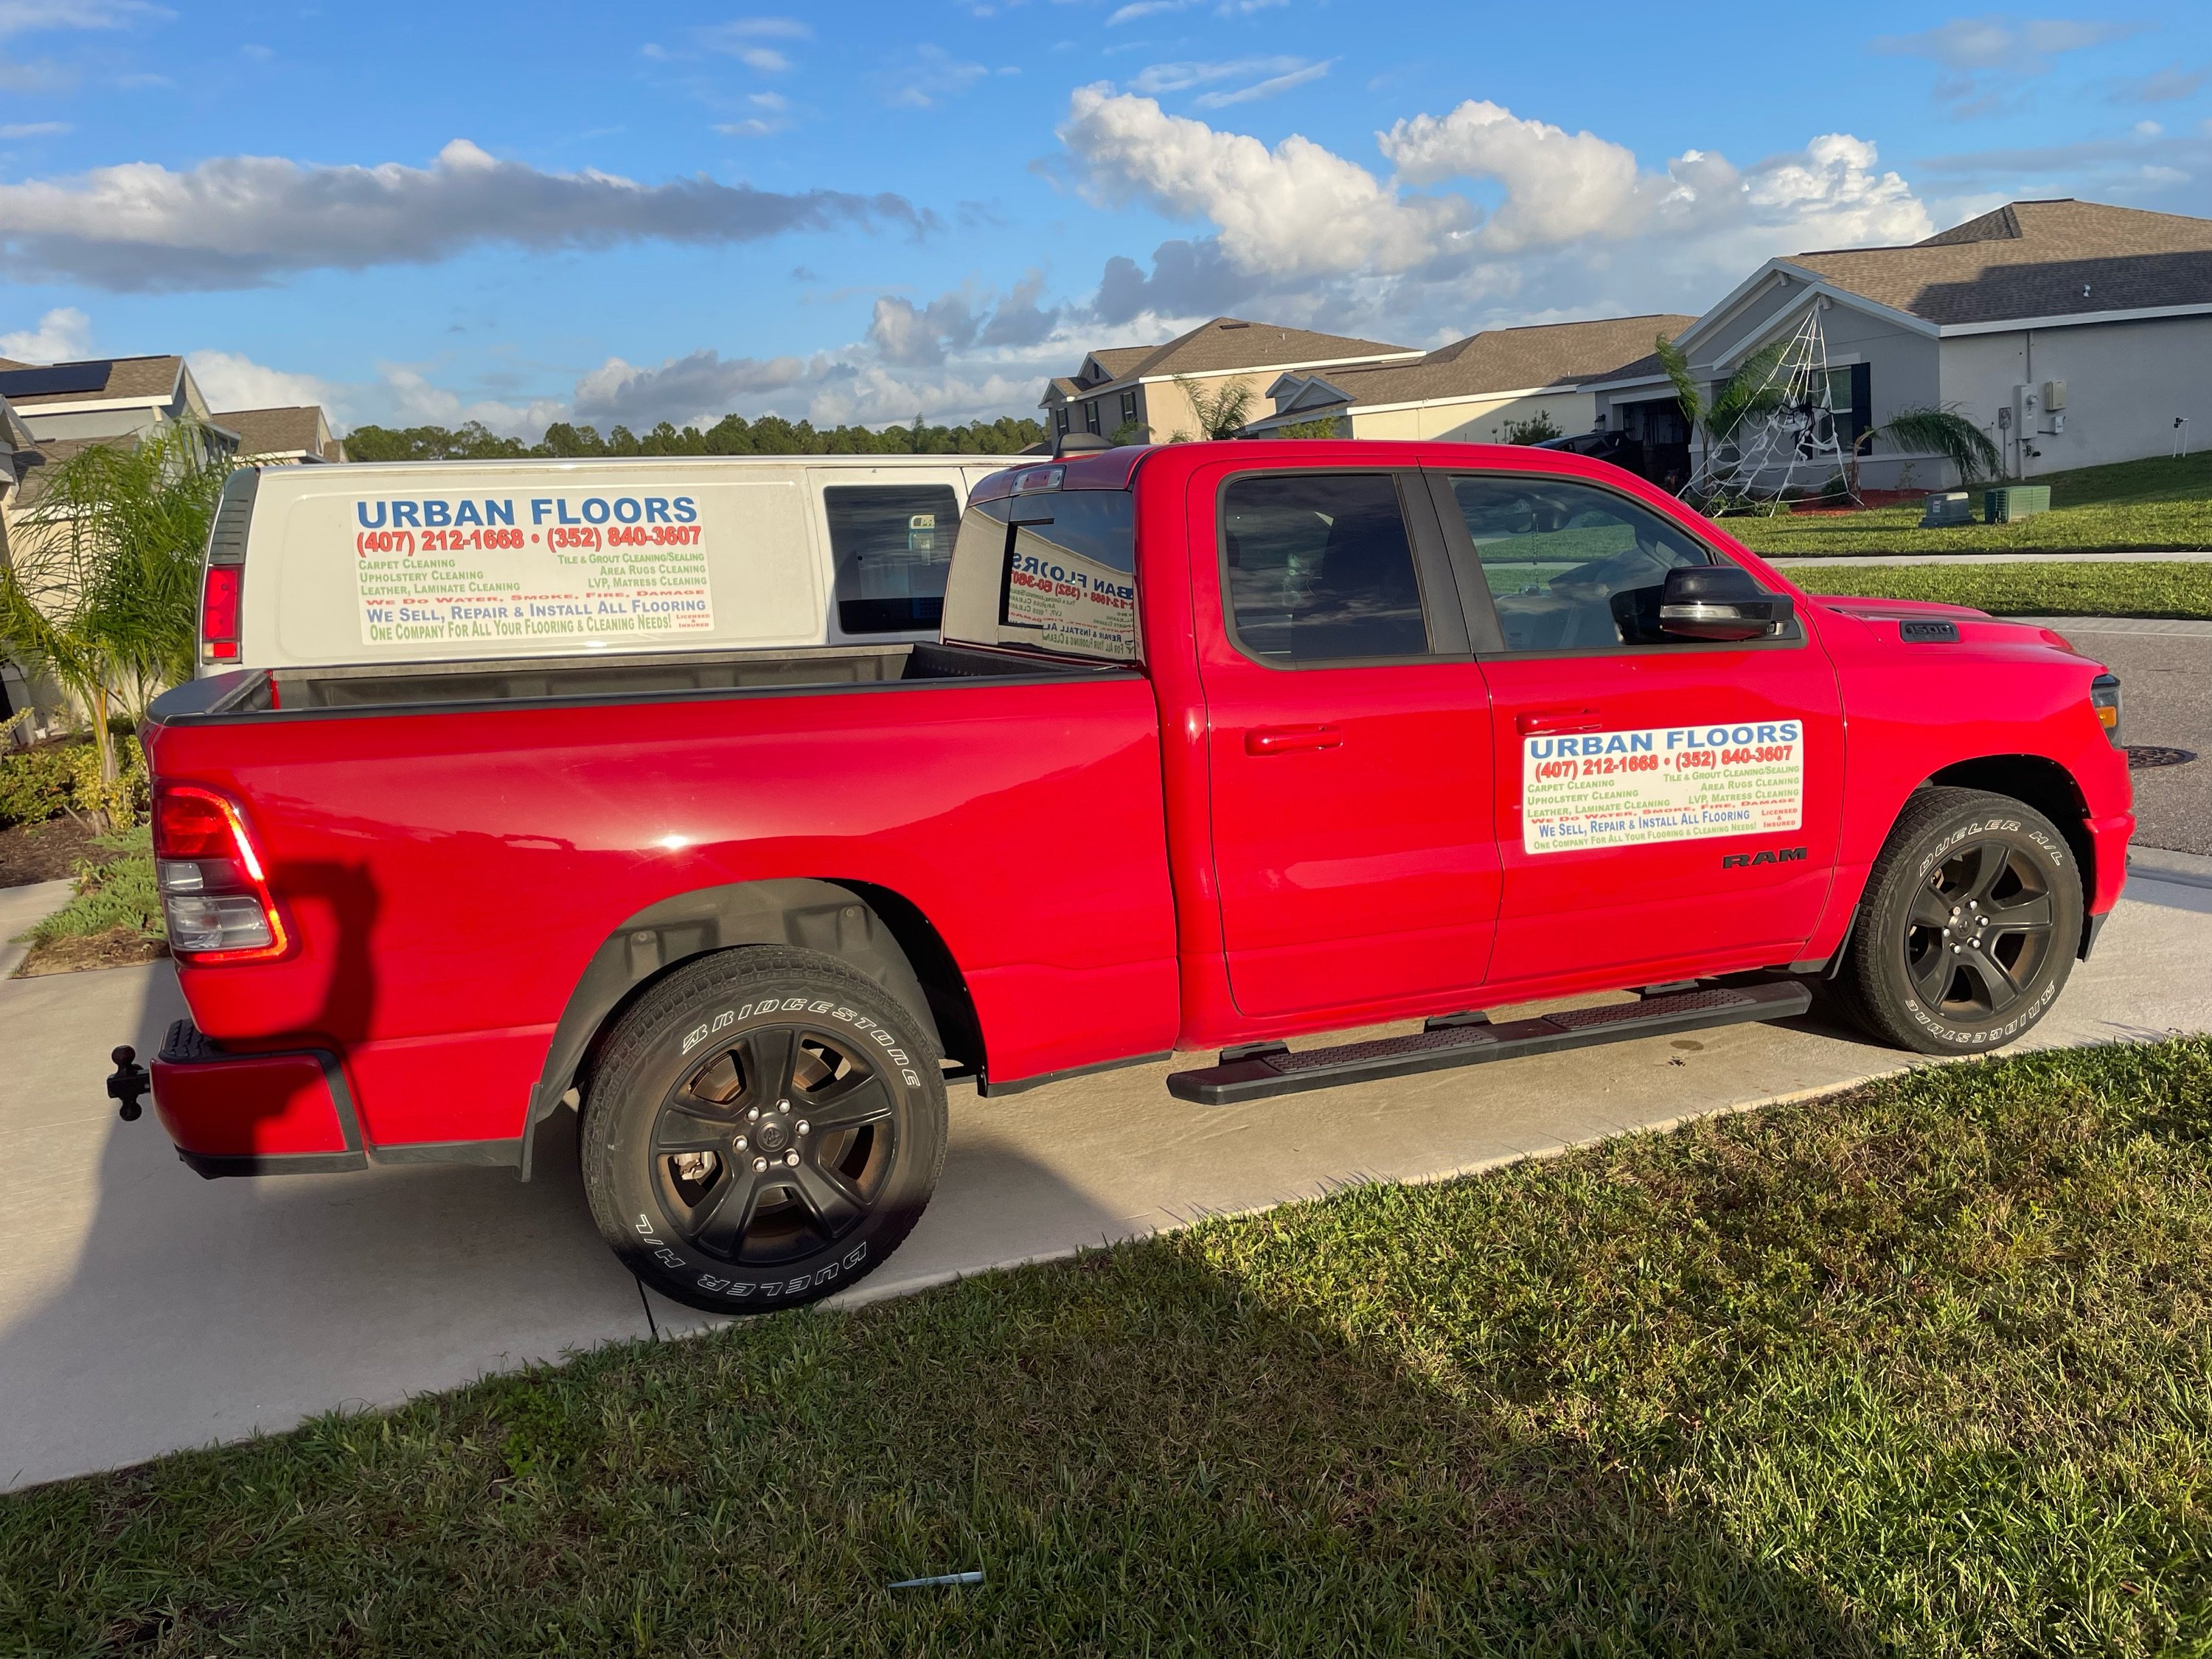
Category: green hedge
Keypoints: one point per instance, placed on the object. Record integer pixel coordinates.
(37, 784)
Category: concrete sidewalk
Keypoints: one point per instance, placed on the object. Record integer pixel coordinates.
(23, 908)
(143, 1309)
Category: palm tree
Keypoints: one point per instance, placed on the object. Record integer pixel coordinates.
(1944, 431)
(1752, 390)
(1221, 411)
(101, 589)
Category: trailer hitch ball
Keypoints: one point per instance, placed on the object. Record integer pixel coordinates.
(127, 1083)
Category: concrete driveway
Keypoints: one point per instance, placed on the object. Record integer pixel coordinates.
(143, 1309)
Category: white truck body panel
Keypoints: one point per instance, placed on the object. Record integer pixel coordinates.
(444, 561)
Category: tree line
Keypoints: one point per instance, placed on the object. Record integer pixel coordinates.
(734, 434)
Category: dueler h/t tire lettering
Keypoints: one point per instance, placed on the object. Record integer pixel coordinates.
(1968, 927)
(766, 1127)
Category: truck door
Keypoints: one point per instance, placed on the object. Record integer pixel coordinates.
(1657, 798)
(1348, 741)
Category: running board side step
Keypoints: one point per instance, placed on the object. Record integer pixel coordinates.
(1258, 1070)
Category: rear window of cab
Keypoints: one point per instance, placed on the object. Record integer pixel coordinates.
(1053, 571)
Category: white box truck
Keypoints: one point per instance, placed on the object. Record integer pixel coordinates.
(441, 561)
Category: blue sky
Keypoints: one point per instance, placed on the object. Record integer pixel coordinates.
(520, 213)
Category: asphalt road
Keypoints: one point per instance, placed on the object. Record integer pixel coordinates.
(2166, 680)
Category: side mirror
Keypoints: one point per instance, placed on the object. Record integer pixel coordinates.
(1720, 602)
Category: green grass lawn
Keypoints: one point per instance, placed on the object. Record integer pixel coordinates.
(1925, 1367)
(2057, 589)
(2146, 505)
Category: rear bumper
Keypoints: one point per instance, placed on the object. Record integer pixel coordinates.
(236, 1114)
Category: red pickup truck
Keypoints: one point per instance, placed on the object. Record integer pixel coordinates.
(1222, 744)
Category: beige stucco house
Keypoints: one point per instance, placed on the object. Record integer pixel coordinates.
(1145, 390)
(1474, 390)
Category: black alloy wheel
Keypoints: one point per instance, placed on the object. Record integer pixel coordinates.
(1980, 932)
(765, 1126)
(1968, 926)
(776, 1145)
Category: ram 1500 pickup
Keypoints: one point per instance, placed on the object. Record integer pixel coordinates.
(1221, 743)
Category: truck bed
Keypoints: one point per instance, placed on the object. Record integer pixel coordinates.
(556, 681)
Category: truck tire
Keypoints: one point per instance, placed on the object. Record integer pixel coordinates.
(766, 1127)
(1968, 926)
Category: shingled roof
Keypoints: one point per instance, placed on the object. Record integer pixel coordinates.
(2051, 258)
(1511, 360)
(1227, 344)
(127, 377)
(298, 430)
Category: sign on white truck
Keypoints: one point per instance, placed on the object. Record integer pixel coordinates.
(408, 561)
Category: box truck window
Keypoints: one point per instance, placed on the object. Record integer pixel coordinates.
(892, 544)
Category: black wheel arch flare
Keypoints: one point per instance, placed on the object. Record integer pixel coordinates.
(878, 931)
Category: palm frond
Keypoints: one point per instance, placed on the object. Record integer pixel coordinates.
(1688, 392)
(1947, 433)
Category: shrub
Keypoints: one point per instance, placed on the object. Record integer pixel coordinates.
(124, 799)
(117, 890)
(38, 784)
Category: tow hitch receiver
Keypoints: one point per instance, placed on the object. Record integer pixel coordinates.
(126, 1083)
(1257, 1071)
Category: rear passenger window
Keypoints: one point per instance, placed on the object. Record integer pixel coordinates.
(891, 545)
(1570, 566)
(1318, 568)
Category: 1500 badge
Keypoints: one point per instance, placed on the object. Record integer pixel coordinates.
(1765, 855)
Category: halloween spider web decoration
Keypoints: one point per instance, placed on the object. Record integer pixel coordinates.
(1789, 438)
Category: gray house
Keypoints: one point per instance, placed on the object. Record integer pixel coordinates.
(2073, 333)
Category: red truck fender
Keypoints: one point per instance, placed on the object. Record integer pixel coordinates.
(878, 931)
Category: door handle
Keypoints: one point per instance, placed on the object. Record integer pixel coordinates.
(1542, 720)
(1282, 739)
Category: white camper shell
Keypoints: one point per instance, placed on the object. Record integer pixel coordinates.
(439, 561)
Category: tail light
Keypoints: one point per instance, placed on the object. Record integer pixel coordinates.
(215, 890)
(221, 589)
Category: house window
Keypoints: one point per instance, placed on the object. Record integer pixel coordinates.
(1129, 408)
(1060, 418)
(1850, 395)
(1090, 416)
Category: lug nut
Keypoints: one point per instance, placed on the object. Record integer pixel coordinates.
(741, 1143)
(791, 1157)
(782, 1105)
(800, 1126)
(760, 1166)
(752, 1115)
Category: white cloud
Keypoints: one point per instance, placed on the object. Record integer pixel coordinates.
(35, 128)
(232, 381)
(1266, 88)
(63, 335)
(724, 37)
(1297, 209)
(1263, 77)
(1140, 8)
(2165, 86)
(1559, 185)
(242, 221)
(38, 16)
(1967, 45)
(1988, 57)
(926, 76)
(1581, 227)
(767, 59)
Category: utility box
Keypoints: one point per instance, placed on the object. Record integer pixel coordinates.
(2054, 395)
(1945, 507)
(2015, 502)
